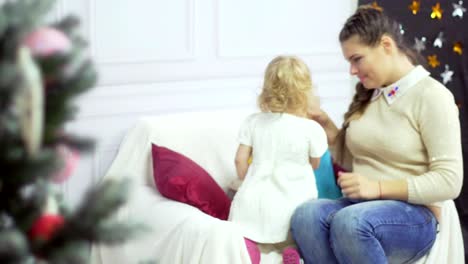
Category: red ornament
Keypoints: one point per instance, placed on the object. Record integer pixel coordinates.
(70, 160)
(45, 226)
(47, 41)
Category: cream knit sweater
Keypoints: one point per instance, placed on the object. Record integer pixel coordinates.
(410, 130)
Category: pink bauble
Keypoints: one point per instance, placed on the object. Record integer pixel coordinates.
(70, 160)
(47, 41)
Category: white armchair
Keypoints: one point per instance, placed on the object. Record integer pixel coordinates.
(180, 233)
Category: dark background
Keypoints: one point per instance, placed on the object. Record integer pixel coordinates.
(454, 29)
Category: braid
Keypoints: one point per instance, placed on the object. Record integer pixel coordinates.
(357, 107)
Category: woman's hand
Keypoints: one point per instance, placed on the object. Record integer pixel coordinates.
(356, 186)
(325, 121)
(318, 115)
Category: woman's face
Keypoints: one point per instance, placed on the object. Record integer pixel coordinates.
(370, 64)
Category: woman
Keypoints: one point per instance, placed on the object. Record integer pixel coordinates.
(400, 140)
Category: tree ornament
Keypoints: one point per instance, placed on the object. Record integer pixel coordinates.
(446, 75)
(436, 12)
(13, 243)
(47, 41)
(375, 5)
(6, 221)
(458, 9)
(439, 40)
(420, 44)
(29, 102)
(458, 48)
(51, 206)
(433, 61)
(45, 226)
(27, 191)
(402, 30)
(414, 7)
(70, 160)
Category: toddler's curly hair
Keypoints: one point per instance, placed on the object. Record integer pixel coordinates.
(287, 86)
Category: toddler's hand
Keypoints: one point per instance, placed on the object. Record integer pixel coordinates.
(235, 184)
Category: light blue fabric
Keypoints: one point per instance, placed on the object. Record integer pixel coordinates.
(325, 179)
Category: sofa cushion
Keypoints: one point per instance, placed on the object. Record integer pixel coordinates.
(181, 179)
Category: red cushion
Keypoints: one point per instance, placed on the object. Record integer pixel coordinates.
(181, 179)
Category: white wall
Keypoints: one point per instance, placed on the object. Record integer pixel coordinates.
(161, 56)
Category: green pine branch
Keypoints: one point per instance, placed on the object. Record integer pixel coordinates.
(92, 221)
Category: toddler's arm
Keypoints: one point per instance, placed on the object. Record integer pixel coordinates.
(315, 162)
(242, 160)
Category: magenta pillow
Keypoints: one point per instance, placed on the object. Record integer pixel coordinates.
(181, 179)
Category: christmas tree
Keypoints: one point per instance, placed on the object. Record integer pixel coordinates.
(42, 68)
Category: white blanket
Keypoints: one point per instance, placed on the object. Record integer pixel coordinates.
(180, 234)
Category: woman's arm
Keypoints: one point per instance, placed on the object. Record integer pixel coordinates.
(356, 186)
(439, 127)
(325, 121)
(242, 160)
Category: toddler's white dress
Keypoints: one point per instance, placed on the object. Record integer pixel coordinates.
(280, 177)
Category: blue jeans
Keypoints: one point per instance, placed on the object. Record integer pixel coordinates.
(361, 232)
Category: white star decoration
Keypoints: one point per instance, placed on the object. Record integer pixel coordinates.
(420, 44)
(439, 40)
(458, 9)
(446, 75)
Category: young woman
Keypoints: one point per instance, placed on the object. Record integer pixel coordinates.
(400, 142)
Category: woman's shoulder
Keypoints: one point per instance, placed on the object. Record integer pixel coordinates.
(431, 88)
(431, 95)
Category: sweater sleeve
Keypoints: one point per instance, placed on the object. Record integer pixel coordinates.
(439, 127)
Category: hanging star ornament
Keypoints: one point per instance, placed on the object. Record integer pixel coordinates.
(446, 75)
(376, 6)
(420, 44)
(433, 61)
(458, 9)
(414, 7)
(439, 40)
(458, 48)
(436, 12)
